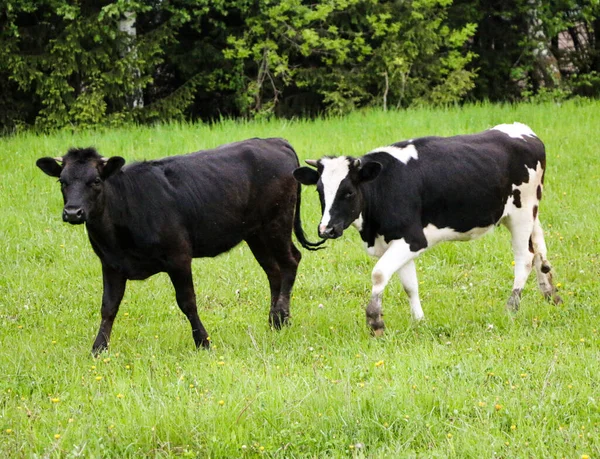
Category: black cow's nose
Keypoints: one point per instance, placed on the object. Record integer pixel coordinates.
(73, 215)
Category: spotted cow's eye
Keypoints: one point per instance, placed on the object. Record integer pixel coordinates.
(349, 194)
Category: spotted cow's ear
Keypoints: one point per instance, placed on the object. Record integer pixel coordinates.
(110, 166)
(369, 171)
(306, 175)
(50, 166)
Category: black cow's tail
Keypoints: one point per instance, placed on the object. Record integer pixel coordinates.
(299, 232)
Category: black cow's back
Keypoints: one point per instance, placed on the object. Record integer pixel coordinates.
(205, 202)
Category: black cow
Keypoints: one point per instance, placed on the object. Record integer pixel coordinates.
(155, 216)
(411, 195)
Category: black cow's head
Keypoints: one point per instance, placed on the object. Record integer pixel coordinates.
(338, 182)
(81, 174)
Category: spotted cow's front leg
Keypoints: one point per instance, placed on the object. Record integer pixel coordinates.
(397, 255)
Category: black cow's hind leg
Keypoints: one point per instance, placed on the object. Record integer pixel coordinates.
(288, 258)
(268, 263)
(186, 300)
(114, 288)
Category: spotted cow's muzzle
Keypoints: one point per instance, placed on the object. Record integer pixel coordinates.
(330, 231)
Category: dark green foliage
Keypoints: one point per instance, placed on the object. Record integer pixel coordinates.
(85, 63)
(341, 54)
(65, 64)
(506, 40)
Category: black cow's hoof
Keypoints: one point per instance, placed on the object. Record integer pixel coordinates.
(202, 343)
(97, 350)
(278, 319)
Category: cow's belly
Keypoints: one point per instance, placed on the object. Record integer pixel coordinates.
(435, 235)
(378, 248)
(213, 249)
(133, 269)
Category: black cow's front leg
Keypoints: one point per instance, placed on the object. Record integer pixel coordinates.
(186, 300)
(114, 288)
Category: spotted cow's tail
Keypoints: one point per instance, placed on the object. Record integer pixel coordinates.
(299, 232)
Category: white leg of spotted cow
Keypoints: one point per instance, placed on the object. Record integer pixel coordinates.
(395, 257)
(408, 277)
(521, 227)
(542, 266)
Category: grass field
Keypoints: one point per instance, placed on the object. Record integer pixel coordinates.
(467, 382)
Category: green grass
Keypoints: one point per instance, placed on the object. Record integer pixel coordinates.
(467, 382)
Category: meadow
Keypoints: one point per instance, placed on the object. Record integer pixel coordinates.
(469, 381)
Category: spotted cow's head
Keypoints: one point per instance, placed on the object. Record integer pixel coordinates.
(81, 174)
(338, 181)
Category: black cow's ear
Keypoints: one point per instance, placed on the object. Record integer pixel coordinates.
(111, 166)
(306, 175)
(370, 171)
(49, 166)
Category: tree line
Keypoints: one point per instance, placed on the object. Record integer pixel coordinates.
(85, 63)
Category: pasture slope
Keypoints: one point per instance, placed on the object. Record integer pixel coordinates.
(468, 382)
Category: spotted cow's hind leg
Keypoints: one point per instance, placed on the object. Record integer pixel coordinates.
(542, 266)
(408, 277)
(520, 224)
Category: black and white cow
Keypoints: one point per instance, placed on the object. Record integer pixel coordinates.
(412, 195)
(155, 216)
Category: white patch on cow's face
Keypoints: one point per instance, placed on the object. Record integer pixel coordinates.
(515, 130)
(334, 171)
(435, 235)
(404, 155)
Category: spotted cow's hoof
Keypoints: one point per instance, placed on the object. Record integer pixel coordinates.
(556, 299)
(378, 333)
(513, 303)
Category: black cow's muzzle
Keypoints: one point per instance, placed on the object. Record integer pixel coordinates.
(73, 215)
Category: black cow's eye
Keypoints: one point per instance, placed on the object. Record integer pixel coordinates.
(349, 194)
(97, 181)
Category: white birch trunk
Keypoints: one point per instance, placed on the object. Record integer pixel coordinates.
(127, 25)
(546, 71)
